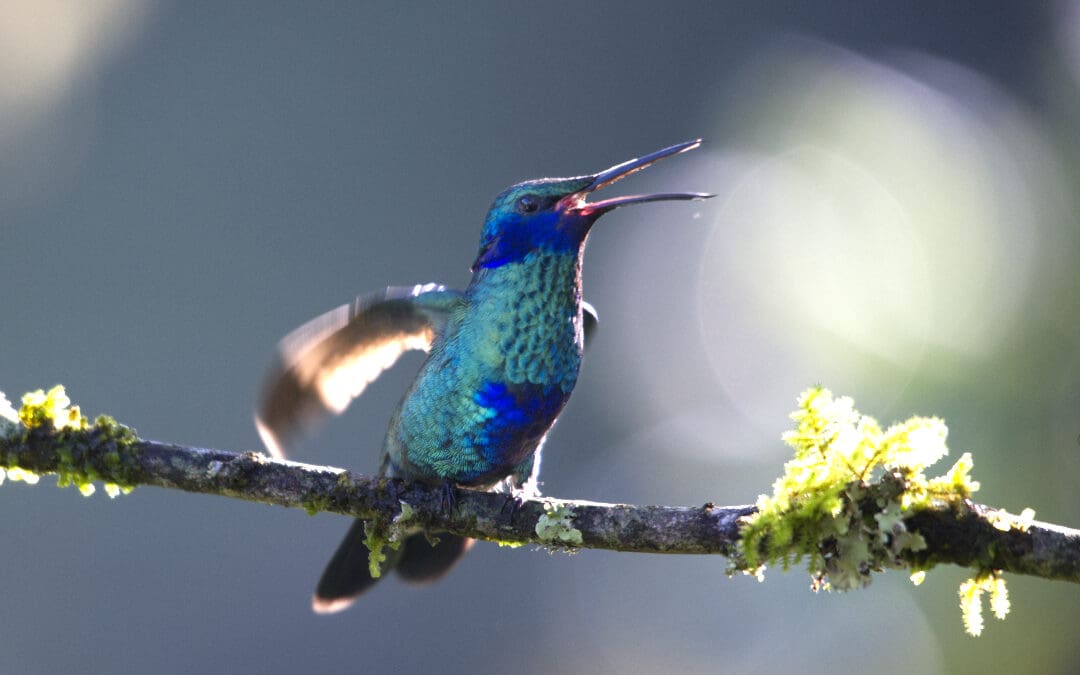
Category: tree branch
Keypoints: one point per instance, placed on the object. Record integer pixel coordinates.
(963, 535)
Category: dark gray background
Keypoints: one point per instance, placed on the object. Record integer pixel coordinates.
(182, 183)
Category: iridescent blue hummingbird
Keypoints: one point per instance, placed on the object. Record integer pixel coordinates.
(504, 356)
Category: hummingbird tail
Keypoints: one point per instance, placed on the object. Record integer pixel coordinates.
(422, 563)
(347, 575)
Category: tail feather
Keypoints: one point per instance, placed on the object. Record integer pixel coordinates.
(421, 562)
(347, 575)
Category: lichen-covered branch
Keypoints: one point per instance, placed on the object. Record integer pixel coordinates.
(854, 499)
(256, 477)
(972, 537)
(962, 536)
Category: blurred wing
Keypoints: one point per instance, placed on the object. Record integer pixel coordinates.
(590, 321)
(327, 362)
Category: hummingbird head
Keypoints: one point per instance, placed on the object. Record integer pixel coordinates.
(551, 214)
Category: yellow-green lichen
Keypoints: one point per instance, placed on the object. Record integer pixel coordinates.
(316, 504)
(404, 517)
(380, 534)
(971, 592)
(377, 537)
(17, 474)
(843, 500)
(556, 526)
(376, 541)
(86, 452)
(1005, 521)
(50, 408)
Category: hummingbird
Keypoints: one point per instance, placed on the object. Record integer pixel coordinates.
(503, 359)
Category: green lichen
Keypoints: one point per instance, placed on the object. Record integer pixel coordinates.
(17, 474)
(376, 540)
(1005, 521)
(971, 592)
(41, 409)
(316, 504)
(380, 534)
(556, 526)
(404, 517)
(844, 498)
(86, 451)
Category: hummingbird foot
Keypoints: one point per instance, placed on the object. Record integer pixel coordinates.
(448, 496)
(517, 495)
(511, 504)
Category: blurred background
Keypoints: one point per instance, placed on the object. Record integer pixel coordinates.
(181, 183)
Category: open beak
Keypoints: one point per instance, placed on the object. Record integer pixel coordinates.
(620, 171)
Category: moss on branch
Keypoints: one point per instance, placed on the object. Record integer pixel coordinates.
(853, 500)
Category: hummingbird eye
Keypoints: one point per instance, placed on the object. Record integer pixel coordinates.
(527, 204)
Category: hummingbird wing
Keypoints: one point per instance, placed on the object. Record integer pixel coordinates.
(327, 362)
(590, 320)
